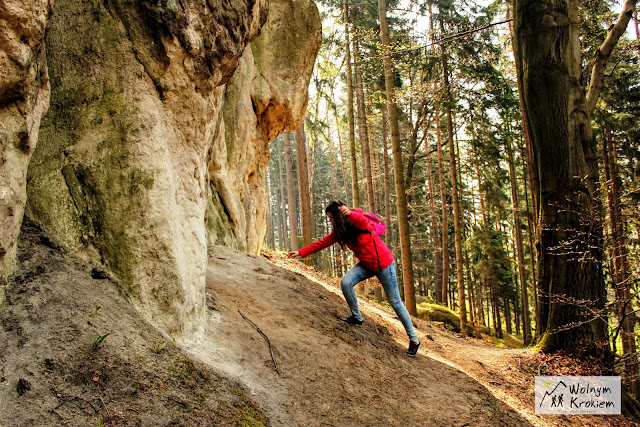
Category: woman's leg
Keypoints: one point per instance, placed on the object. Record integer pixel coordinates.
(355, 275)
(389, 282)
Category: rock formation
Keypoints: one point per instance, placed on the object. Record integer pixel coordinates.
(158, 126)
(24, 98)
(266, 95)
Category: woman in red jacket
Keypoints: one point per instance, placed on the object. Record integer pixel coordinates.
(361, 232)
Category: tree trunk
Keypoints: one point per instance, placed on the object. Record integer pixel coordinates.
(493, 285)
(355, 190)
(635, 20)
(456, 203)
(525, 126)
(599, 62)
(526, 336)
(570, 232)
(387, 190)
(443, 198)
(305, 195)
(271, 239)
(435, 235)
(344, 172)
(624, 305)
(363, 133)
(291, 197)
(532, 254)
(480, 295)
(283, 204)
(414, 146)
(517, 316)
(507, 315)
(403, 221)
(332, 164)
(472, 303)
(376, 165)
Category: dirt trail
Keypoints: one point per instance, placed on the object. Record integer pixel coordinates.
(318, 371)
(334, 374)
(330, 373)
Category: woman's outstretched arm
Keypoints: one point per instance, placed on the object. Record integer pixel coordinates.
(319, 245)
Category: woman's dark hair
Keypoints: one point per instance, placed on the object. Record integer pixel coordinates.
(344, 231)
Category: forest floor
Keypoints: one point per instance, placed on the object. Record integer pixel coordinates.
(274, 354)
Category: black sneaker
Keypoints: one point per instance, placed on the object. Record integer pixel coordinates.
(351, 320)
(413, 348)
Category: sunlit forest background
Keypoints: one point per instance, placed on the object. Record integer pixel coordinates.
(470, 193)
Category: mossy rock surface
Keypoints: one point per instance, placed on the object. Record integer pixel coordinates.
(438, 313)
(449, 318)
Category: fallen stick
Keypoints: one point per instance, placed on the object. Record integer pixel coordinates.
(266, 338)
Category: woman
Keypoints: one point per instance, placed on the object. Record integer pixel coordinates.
(360, 233)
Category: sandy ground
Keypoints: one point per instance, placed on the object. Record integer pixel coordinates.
(276, 332)
(274, 353)
(52, 371)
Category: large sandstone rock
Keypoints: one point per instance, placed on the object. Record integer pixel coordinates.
(120, 174)
(24, 98)
(266, 95)
(127, 169)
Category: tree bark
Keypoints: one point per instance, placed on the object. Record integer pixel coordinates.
(344, 172)
(507, 315)
(471, 296)
(624, 306)
(271, 239)
(403, 221)
(414, 147)
(456, 202)
(374, 166)
(355, 190)
(387, 178)
(291, 197)
(445, 209)
(570, 231)
(435, 235)
(305, 194)
(604, 52)
(283, 213)
(363, 132)
(635, 20)
(517, 229)
(532, 253)
(525, 126)
(333, 173)
(377, 166)
(493, 286)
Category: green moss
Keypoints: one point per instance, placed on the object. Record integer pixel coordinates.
(449, 318)
(220, 229)
(250, 415)
(217, 224)
(438, 313)
(172, 6)
(508, 341)
(545, 344)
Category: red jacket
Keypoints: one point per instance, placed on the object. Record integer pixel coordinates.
(368, 247)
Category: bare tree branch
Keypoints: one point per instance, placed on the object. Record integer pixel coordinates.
(604, 52)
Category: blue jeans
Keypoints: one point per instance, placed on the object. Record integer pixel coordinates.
(387, 277)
